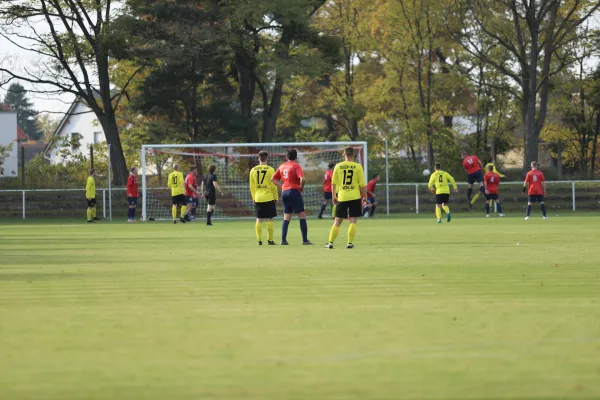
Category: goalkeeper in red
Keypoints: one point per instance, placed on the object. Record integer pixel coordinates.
(441, 180)
(264, 195)
(349, 194)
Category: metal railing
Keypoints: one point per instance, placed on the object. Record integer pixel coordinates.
(395, 198)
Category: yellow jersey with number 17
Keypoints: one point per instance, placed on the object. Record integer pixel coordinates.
(348, 178)
(176, 183)
(261, 187)
(441, 180)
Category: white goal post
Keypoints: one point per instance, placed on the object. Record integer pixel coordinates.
(233, 162)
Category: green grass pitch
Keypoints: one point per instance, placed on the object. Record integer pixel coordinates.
(417, 310)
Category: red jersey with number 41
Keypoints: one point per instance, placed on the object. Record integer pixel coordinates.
(535, 178)
(327, 181)
(190, 180)
(290, 173)
(132, 186)
(492, 180)
(471, 164)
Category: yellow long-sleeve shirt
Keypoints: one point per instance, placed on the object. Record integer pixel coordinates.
(261, 187)
(90, 188)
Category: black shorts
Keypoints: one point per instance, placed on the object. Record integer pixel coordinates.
(536, 198)
(327, 195)
(349, 209)
(489, 197)
(265, 210)
(189, 200)
(371, 200)
(292, 201)
(211, 198)
(178, 200)
(442, 198)
(132, 201)
(475, 177)
(91, 202)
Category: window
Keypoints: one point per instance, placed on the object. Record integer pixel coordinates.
(98, 137)
(75, 141)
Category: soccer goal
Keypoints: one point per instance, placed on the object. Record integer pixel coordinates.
(233, 162)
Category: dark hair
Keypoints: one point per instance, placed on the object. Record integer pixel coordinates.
(375, 176)
(534, 164)
(133, 169)
(92, 171)
(292, 154)
(331, 165)
(212, 168)
(349, 151)
(490, 167)
(438, 165)
(193, 168)
(263, 155)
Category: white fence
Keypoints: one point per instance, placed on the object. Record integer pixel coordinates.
(396, 198)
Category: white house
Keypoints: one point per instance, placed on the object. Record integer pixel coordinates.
(80, 127)
(9, 159)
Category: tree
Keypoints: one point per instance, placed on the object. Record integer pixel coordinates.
(533, 35)
(16, 97)
(76, 42)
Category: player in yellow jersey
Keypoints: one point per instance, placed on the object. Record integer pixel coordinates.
(90, 196)
(264, 195)
(176, 184)
(349, 195)
(441, 180)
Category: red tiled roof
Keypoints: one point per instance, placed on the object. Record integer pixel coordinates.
(21, 135)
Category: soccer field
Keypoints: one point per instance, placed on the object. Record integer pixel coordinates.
(417, 310)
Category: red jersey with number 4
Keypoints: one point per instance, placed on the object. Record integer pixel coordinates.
(535, 178)
(190, 180)
(471, 164)
(492, 180)
(132, 186)
(327, 181)
(371, 188)
(290, 173)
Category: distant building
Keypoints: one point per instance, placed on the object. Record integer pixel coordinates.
(79, 127)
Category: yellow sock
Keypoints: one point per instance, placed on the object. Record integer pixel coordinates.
(174, 212)
(351, 233)
(446, 209)
(89, 214)
(183, 208)
(270, 231)
(474, 199)
(438, 213)
(94, 212)
(333, 233)
(258, 230)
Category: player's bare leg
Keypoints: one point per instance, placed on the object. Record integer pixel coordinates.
(284, 228)
(304, 229)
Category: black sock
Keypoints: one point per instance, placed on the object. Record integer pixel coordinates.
(528, 210)
(322, 210)
(469, 193)
(372, 210)
(543, 209)
(487, 208)
(208, 216)
(133, 213)
(499, 207)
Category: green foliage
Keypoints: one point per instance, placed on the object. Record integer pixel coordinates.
(16, 97)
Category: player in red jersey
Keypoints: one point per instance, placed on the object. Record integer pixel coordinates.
(491, 180)
(132, 194)
(474, 168)
(327, 195)
(191, 192)
(535, 185)
(371, 203)
(292, 176)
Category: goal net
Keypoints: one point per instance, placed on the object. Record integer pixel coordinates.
(233, 163)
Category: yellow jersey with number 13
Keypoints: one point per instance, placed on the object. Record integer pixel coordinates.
(176, 183)
(261, 187)
(348, 178)
(441, 180)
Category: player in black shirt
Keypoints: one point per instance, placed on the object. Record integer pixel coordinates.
(209, 188)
